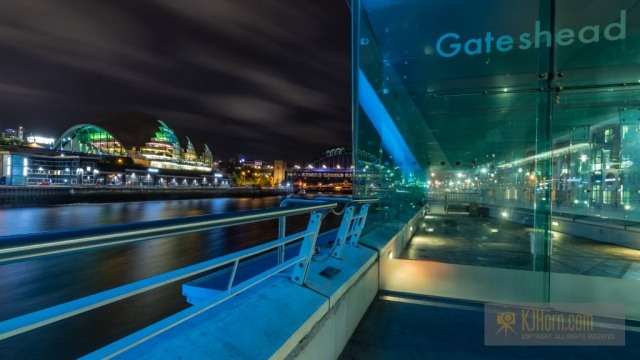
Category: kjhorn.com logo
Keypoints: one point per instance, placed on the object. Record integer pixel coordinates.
(506, 320)
(545, 324)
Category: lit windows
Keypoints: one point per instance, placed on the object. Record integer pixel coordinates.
(608, 135)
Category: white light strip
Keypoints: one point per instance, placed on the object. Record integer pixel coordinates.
(546, 154)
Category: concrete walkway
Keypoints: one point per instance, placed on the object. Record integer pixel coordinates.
(461, 239)
(429, 328)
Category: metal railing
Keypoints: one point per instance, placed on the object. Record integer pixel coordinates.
(350, 227)
(353, 220)
(454, 196)
(66, 242)
(44, 244)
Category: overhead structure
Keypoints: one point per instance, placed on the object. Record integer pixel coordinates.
(338, 158)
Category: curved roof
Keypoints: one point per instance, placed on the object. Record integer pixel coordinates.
(135, 129)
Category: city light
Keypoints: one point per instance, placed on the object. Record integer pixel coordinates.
(41, 140)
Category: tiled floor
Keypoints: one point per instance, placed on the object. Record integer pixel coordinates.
(453, 330)
(465, 240)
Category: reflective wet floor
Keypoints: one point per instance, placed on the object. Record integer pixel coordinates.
(465, 240)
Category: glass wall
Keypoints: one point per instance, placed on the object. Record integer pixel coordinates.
(518, 122)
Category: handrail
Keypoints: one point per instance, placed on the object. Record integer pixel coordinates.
(69, 241)
(142, 230)
(350, 228)
(43, 317)
(282, 224)
(347, 199)
(124, 344)
(282, 221)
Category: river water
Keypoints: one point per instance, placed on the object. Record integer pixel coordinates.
(37, 284)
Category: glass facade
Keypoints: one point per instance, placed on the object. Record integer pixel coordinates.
(90, 139)
(164, 146)
(518, 122)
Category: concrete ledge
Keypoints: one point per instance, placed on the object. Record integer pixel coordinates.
(354, 263)
(271, 319)
(589, 229)
(634, 228)
(328, 337)
(594, 231)
(266, 321)
(278, 319)
(391, 239)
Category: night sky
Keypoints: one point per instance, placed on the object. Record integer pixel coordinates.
(269, 79)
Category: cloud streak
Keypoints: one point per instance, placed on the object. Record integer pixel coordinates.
(266, 79)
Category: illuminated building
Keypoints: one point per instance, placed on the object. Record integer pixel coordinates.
(128, 150)
(143, 138)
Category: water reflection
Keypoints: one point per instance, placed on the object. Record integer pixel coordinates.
(30, 220)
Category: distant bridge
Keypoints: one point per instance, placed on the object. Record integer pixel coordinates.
(331, 166)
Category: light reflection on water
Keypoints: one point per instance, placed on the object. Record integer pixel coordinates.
(38, 284)
(30, 220)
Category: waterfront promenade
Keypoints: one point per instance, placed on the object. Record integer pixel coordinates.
(25, 196)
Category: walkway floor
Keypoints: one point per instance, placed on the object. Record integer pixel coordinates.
(428, 328)
(465, 240)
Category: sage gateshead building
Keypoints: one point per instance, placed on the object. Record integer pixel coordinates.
(145, 139)
(518, 122)
(129, 149)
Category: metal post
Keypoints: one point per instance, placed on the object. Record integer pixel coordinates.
(358, 225)
(233, 275)
(307, 249)
(282, 225)
(343, 232)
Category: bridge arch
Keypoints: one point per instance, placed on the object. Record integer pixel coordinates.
(338, 158)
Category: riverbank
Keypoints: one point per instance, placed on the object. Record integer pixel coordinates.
(27, 196)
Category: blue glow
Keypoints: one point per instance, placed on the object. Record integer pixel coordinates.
(392, 141)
